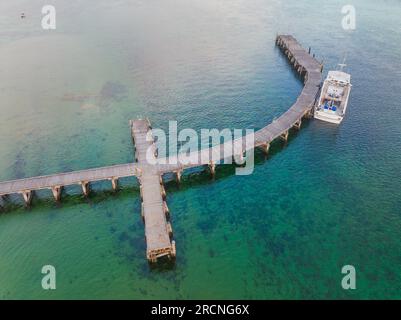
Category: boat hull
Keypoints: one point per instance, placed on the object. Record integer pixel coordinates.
(333, 100)
(323, 116)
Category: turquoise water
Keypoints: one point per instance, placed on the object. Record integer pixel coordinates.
(330, 197)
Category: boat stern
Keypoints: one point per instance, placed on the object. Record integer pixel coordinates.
(328, 117)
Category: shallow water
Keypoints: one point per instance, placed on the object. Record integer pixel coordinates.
(330, 197)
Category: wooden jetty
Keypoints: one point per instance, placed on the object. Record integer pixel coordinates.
(149, 169)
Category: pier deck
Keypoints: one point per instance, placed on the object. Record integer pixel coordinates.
(158, 230)
(59, 180)
(149, 169)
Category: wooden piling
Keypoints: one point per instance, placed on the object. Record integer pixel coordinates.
(166, 209)
(163, 191)
(284, 136)
(265, 147)
(170, 229)
(56, 191)
(114, 183)
(298, 124)
(85, 188)
(212, 168)
(27, 196)
(173, 252)
(178, 176)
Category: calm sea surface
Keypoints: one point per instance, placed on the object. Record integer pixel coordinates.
(331, 197)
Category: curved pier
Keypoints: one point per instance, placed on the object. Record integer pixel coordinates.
(158, 229)
(309, 69)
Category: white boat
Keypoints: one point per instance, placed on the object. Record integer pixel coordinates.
(334, 96)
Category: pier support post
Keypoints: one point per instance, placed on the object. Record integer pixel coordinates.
(163, 192)
(265, 147)
(57, 192)
(151, 258)
(212, 167)
(140, 190)
(114, 183)
(85, 188)
(27, 195)
(309, 113)
(178, 174)
(166, 209)
(300, 70)
(298, 124)
(170, 229)
(284, 136)
(173, 249)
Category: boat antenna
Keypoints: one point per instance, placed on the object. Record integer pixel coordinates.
(343, 65)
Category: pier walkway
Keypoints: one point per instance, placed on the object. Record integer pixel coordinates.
(158, 231)
(56, 182)
(149, 169)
